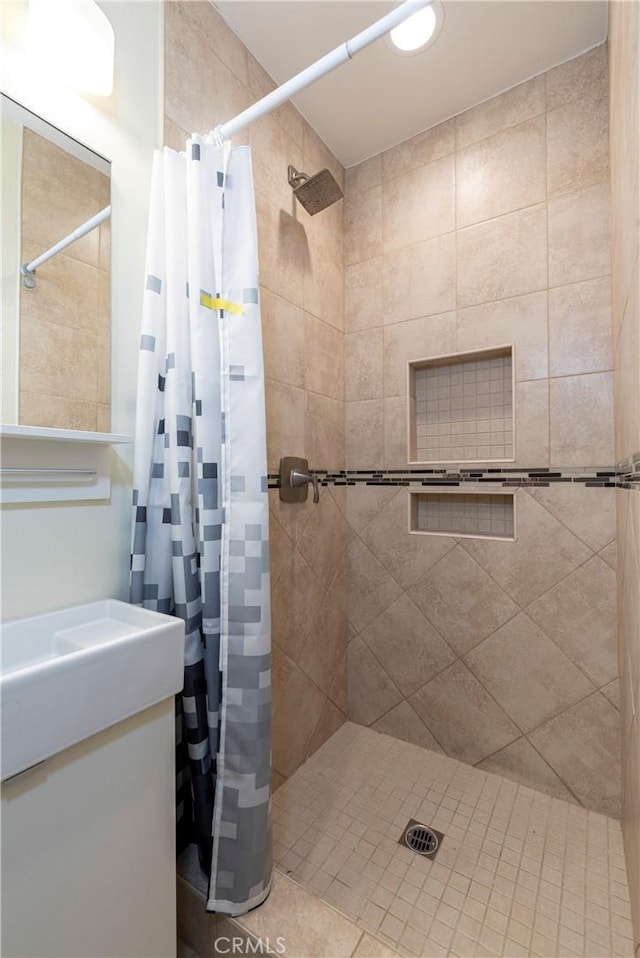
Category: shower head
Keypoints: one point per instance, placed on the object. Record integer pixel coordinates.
(314, 192)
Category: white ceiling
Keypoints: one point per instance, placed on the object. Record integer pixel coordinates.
(380, 98)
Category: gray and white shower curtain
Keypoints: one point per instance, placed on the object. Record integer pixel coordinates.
(200, 531)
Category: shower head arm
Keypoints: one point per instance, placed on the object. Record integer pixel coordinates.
(318, 69)
(296, 179)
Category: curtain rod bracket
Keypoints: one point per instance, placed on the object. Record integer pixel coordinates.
(28, 276)
(28, 270)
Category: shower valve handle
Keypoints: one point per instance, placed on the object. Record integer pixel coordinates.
(298, 478)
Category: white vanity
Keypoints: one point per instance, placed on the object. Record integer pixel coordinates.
(87, 765)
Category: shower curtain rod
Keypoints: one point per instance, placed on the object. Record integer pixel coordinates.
(346, 51)
(28, 270)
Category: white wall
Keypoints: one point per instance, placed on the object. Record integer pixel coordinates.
(55, 555)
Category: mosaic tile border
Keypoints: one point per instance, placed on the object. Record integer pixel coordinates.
(626, 476)
(628, 473)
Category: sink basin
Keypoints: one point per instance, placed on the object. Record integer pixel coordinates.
(66, 675)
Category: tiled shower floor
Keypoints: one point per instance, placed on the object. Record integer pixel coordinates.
(518, 872)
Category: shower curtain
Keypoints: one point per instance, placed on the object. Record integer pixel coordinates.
(200, 524)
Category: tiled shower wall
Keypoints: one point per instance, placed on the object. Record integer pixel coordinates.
(624, 45)
(489, 229)
(210, 77)
(65, 330)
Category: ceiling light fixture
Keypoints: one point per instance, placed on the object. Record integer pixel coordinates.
(417, 30)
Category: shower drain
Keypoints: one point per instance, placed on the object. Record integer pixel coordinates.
(421, 839)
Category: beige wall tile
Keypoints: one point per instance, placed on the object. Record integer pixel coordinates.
(104, 307)
(419, 205)
(74, 192)
(66, 291)
(585, 75)
(462, 716)
(419, 280)
(318, 155)
(58, 360)
(324, 432)
(272, 150)
(293, 517)
(581, 420)
(415, 339)
(365, 175)
(363, 295)
(407, 557)
(331, 719)
(285, 412)
(365, 502)
(579, 614)
(174, 136)
(503, 257)
(589, 513)
(532, 423)
(282, 246)
(56, 412)
(371, 587)
(338, 692)
(580, 328)
(103, 419)
(502, 173)
(500, 112)
(406, 645)
(396, 451)
(104, 373)
(364, 434)
(526, 673)
(363, 225)
(324, 278)
(282, 339)
(582, 746)
(324, 537)
(324, 650)
(280, 548)
(627, 374)
(402, 722)
(371, 691)
(577, 145)
(363, 365)
(199, 18)
(610, 554)
(544, 553)
(579, 236)
(193, 69)
(297, 598)
(104, 240)
(461, 600)
(297, 706)
(521, 321)
(521, 763)
(419, 150)
(323, 358)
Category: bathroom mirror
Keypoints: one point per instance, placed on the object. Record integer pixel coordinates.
(56, 318)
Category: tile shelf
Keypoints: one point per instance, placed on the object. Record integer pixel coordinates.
(463, 514)
(460, 407)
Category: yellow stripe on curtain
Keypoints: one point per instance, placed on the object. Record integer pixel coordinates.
(214, 303)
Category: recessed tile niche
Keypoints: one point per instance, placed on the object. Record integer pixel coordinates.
(461, 408)
(463, 514)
